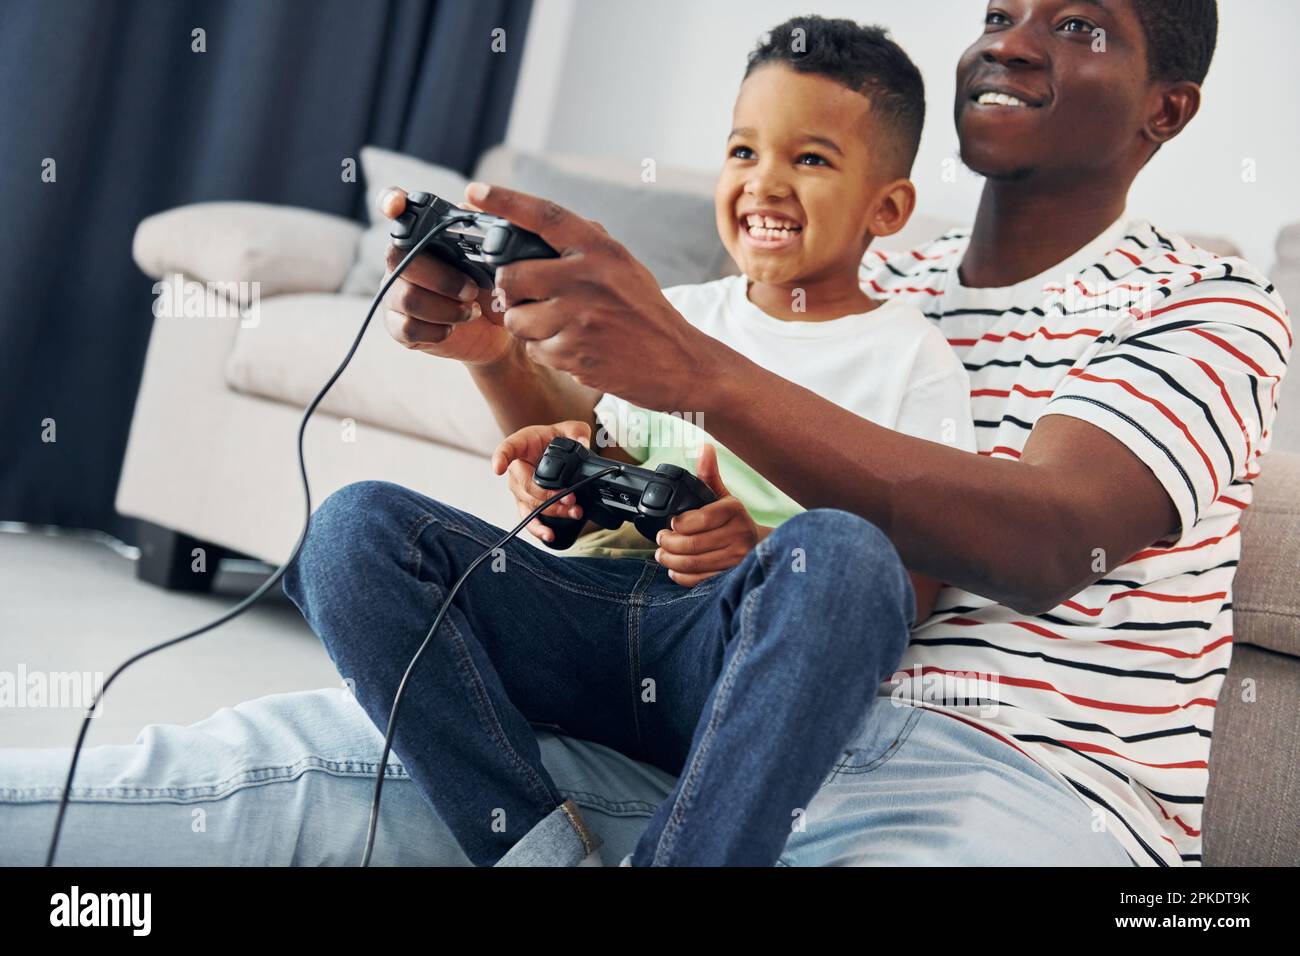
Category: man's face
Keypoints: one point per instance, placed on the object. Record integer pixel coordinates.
(1076, 75)
(803, 161)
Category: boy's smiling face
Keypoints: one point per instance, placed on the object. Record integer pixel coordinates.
(808, 167)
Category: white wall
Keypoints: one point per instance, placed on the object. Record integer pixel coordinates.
(637, 79)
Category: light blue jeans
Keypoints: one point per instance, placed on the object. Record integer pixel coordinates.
(287, 780)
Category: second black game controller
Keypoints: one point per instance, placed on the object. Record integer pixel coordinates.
(649, 499)
(475, 246)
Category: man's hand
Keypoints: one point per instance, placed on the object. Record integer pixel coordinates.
(597, 313)
(517, 456)
(436, 309)
(708, 540)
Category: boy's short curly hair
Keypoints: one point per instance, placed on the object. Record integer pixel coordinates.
(862, 58)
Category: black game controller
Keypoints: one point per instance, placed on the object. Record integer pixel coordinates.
(649, 499)
(475, 247)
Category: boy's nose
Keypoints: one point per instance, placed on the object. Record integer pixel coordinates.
(767, 186)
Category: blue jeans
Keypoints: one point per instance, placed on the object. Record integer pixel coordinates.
(286, 780)
(746, 687)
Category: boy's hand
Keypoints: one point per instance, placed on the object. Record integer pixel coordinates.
(708, 540)
(518, 456)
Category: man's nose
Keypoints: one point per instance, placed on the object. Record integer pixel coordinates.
(1017, 47)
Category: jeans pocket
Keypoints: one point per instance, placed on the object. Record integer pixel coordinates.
(881, 734)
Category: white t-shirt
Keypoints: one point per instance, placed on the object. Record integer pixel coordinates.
(1177, 353)
(889, 365)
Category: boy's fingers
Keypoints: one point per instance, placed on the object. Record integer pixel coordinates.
(712, 562)
(520, 482)
(690, 580)
(707, 471)
(713, 515)
(578, 431)
(675, 542)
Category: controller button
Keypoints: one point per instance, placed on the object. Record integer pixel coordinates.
(656, 495)
(402, 226)
(417, 198)
(549, 468)
(564, 444)
(496, 241)
(671, 472)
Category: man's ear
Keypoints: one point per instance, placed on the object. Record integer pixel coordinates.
(894, 204)
(1173, 108)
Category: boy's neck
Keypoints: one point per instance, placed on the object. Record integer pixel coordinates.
(816, 300)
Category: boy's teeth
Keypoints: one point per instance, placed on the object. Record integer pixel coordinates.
(999, 99)
(765, 227)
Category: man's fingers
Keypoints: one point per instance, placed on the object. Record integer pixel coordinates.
(432, 274)
(561, 229)
(412, 332)
(536, 321)
(392, 202)
(428, 307)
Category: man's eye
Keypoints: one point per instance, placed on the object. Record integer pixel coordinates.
(995, 18)
(1077, 25)
(804, 160)
(741, 152)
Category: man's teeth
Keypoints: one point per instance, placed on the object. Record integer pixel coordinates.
(765, 227)
(999, 99)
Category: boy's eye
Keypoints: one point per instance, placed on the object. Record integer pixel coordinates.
(995, 18)
(741, 152)
(804, 160)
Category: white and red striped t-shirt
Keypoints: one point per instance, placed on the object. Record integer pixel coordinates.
(1178, 353)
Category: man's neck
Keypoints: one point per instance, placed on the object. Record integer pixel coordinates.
(1023, 228)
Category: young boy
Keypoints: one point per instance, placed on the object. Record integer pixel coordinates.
(823, 138)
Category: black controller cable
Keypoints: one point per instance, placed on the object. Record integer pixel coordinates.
(446, 603)
(278, 573)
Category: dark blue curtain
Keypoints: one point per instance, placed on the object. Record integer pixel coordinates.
(137, 122)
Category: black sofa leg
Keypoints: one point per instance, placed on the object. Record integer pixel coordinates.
(176, 561)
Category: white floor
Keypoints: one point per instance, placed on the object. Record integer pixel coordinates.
(74, 605)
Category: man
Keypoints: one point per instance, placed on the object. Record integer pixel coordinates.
(1125, 385)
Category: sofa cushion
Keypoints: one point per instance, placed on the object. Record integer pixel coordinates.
(1266, 591)
(382, 169)
(668, 225)
(234, 242)
(1252, 806)
(300, 339)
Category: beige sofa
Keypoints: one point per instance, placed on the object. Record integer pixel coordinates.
(211, 454)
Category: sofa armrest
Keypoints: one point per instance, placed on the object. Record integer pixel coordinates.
(1266, 593)
(283, 248)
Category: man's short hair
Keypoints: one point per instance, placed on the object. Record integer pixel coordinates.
(860, 57)
(1180, 37)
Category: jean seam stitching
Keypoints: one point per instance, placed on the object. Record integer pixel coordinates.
(682, 804)
(472, 680)
(894, 747)
(429, 517)
(245, 779)
(635, 609)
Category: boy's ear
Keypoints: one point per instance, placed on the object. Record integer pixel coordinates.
(893, 207)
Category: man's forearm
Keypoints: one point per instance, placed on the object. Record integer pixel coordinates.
(521, 393)
(993, 527)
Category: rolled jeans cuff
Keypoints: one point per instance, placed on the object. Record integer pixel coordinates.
(561, 838)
